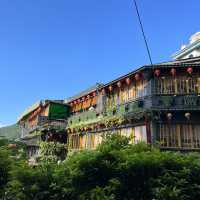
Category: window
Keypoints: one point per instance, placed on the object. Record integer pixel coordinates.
(179, 135)
(140, 134)
(179, 85)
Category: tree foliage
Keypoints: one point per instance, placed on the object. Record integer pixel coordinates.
(117, 170)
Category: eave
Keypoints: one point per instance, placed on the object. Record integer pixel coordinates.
(188, 49)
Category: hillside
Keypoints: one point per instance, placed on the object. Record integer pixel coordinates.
(10, 132)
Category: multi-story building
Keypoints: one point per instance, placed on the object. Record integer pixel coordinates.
(43, 121)
(156, 104)
(190, 50)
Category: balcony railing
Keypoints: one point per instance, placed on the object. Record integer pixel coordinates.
(176, 102)
(89, 117)
(42, 122)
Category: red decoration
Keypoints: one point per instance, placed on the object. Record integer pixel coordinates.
(110, 88)
(157, 72)
(79, 100)
(119, 84)
(137, 77)
(190, 70)
(173, 72)
(128, 81)
(74, 102)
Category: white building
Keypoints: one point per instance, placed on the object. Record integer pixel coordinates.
(190, 50)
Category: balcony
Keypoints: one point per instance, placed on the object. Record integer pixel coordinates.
(130, 107)
(42, 123)
(176, 102)
(86, 117)
(114, 113)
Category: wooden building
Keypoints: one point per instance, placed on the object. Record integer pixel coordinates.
(43, 121)
(158, 104)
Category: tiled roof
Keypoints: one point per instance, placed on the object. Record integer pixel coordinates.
(192, 61)
(34, 106)
(84, 92)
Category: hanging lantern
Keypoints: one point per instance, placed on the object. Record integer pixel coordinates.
(103, 91)
(110, 88)
(157, 72)
(137, 77)
(119, 84)
(169, 116)
(189, 70)
(88, 96)
(173, 72)
(83, 98)
(128, 81)
(94, 94)
(188, 115)
(79, 100)
(74, 102)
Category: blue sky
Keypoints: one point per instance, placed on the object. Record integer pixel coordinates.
(54, 49)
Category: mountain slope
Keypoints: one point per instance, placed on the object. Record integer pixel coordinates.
(10, 132)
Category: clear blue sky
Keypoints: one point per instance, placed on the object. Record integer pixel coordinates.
(54, 49)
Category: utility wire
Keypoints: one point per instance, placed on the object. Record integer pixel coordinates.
(142, 29)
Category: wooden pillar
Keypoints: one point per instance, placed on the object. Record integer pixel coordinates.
(178, 132)
(148, 131)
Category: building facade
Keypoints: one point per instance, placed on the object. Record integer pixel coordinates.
(190, 50)
(43, 121)
(157, 104)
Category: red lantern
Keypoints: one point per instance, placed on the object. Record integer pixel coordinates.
(119, 84)
(128, 81)
(189, 70)
(157, 72)
(173, 72)
(137, 77)
(103, 91)
(110, 88)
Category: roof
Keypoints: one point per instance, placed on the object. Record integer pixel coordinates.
(36, 105)
(126, 75)
(84, 92)
(189, 61)
(187, 49)
(30, 109)
(182, 62)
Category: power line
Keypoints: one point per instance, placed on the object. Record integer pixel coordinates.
(142, 29)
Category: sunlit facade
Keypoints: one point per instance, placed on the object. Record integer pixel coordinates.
(156, 104)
